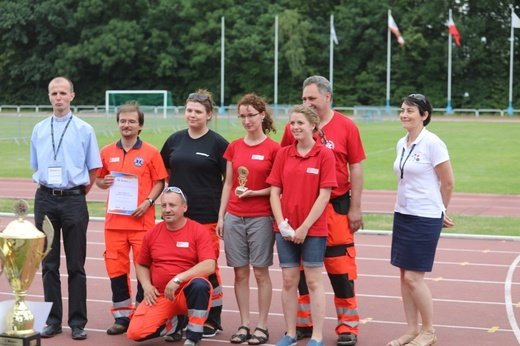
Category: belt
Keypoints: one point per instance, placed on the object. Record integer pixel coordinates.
(337, 250)
(75, 191)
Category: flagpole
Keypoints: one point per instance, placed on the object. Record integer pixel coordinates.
(222, 111)
(510, 109)
(331, 64)
(388, 53)
(276, 65)
(449, 109)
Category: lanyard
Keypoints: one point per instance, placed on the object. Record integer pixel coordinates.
(401, 163)
(54, 149)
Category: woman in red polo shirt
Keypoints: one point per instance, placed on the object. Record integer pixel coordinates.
(302, 177)
(245, 217)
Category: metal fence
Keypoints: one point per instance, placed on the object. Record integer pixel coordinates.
(19, 120)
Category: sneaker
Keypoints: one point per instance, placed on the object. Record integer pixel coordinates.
(347, 339)
(303, 332)
(313, 342)
(173, 337)
(209, 332)
(190, 342)
(117, 329)
(287, 341)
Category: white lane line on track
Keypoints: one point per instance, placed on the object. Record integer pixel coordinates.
(508, 299)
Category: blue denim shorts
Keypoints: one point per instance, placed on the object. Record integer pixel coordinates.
(310, 253)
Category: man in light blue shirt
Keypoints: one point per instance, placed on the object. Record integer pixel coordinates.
(65, 158)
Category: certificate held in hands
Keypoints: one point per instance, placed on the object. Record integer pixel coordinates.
(122, 197)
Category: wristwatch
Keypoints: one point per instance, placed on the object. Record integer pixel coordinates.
(151, 201)
(177, 280)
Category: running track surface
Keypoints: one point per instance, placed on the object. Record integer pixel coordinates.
(475, 284)
(372, 202)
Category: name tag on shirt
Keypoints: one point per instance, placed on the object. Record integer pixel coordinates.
(54, 175)
(401, 196)
(183, 244)
(257, 157)
(114, 159)
(313, 170)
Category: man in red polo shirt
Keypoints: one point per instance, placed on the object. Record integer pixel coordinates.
(176, 259)
(125, 231)
(344, 217)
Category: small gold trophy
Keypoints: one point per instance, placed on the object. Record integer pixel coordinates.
(243, 172)
(22, 250)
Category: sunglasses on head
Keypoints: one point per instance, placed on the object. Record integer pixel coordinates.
(322, 136)
(198, 96)
(176, 190)
(419, 97)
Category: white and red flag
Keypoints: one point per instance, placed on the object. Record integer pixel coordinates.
(454, 31)
(393, 28)
(515, 21)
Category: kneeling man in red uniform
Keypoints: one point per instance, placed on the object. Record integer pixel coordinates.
(176, 258)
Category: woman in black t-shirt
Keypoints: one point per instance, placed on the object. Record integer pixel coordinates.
(195, 164)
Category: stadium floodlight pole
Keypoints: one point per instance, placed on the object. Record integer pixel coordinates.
(276, 65)
(222, 111)
(449, 109)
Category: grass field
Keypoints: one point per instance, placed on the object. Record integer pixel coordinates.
(485, 156)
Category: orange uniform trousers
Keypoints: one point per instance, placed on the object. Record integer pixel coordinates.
(216, 282)
(193, 300)
(118, 244)
(340, 264)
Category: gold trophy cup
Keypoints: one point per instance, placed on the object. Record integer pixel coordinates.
(22, 250)
(243, 172)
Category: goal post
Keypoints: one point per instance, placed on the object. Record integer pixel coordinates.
(119, 97)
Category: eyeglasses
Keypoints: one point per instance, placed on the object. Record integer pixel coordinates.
(322, 136)
(249, 116)
(199, 96)
(176, 190)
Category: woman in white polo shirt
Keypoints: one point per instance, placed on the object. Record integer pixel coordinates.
(424, 190)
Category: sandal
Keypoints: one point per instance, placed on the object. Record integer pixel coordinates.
(432, 339)
(402, 340)
(258, 339)
(239, 338)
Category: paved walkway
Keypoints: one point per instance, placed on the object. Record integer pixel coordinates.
(373, 201)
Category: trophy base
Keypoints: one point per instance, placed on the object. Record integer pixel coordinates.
(240, 190)
(26, 340)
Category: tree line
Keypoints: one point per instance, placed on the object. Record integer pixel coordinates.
(175, 45)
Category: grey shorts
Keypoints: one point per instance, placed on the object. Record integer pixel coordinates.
(248, 240)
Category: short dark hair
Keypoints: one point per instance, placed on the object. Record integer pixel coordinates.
(131, 106)
(422, 103)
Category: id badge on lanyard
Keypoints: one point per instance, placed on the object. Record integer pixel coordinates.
(54, 175)
(401, 191)
(401, 194)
